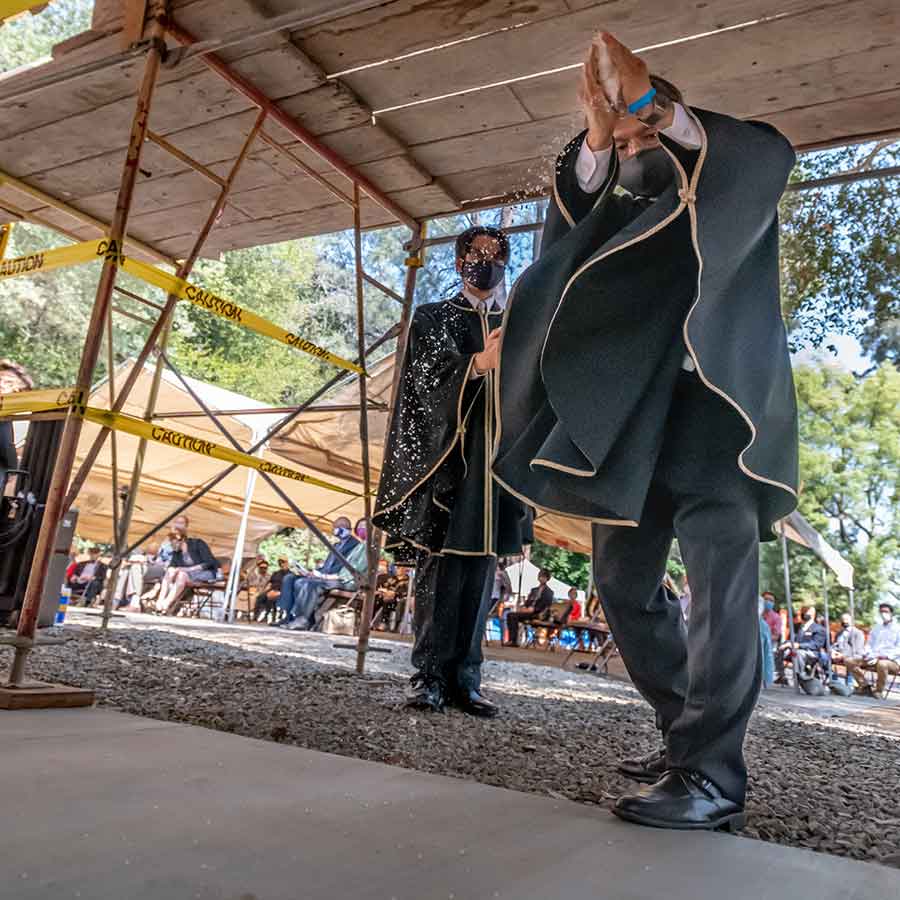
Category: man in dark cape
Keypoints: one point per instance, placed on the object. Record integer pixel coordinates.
(437, 502)
(645, 385)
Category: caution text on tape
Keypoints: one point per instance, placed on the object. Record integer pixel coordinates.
(40, 401)
(151, 432)
(87, 251)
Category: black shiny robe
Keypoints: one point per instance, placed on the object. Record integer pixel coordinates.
(597, 329)
(436, 492)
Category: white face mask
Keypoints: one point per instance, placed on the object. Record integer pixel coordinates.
(886, 617)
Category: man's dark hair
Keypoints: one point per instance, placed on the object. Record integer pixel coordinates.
(94, 550)
(769, 594)
(464, 241)
(666, 87)
(7, 365)
(340, 519)
(545, 573)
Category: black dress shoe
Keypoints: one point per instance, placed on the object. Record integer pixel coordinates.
(646, 769)
(475, 704)
(427, 696)
(683, 800)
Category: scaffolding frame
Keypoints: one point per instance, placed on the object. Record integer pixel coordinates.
(65, 486)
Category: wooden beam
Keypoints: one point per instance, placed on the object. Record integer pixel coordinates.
(79, 216)
(135, 12)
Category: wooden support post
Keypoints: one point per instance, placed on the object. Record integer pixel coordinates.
(53, 510)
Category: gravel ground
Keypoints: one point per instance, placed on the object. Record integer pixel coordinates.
(825, 784)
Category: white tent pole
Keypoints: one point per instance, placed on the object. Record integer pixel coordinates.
(827, 614)
(852, 607)
(234, 576)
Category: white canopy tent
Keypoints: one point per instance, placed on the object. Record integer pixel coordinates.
(524, 577)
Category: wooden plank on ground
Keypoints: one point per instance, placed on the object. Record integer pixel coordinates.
(563, 40)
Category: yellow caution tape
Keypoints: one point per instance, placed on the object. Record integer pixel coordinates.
(228, 309)
(11, 8)
(45, 260)
(149, 431)
(39, 401)
(171, 284)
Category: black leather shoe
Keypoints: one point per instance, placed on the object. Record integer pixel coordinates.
(475, 704)
(427, 696)
(647, 769)
(683, 800)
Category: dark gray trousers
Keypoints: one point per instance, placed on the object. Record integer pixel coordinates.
(702, 681)
(453, 599)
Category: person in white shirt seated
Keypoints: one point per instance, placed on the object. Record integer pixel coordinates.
(881, 655)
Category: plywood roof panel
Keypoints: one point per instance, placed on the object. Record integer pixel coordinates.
(821, 70)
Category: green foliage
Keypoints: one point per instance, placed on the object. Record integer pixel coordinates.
(297, 545)
(566, 565)
(29, 38)
(849, 463)
(840, 255)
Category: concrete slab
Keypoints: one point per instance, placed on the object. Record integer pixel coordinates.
(105, 806)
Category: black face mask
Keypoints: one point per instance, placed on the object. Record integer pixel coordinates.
(808, 617)
(648, 174)
(485, 274)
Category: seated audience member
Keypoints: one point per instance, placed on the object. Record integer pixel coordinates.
(301, 595)
(574, 606)
(393, 588)
(500, 595)
(130, 581)
(269, 592)
(881, 655)
(772, 618)
(158, 562)
(192, 562)
(809, 642)
(88, 577)
(849, 642)
(13, 378)
(593, 610)
(537, 607)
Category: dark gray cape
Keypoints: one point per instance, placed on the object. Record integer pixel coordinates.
(597, 329)
(436, 492)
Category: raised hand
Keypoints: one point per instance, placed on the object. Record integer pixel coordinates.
(633, 72)
(600, 115)
(489, 358)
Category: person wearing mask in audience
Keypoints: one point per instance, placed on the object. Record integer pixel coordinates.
(809, 642)
(849, 642)
(574, 605)
(537, 607)
(301, 595)
(192, 562)
(632, 395)
(437, 501)
(88, 577)
(881, 654)
(771, 618)
(13, 379)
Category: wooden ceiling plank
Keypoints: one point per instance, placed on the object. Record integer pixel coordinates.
(841, 27)
(405, 26)
(750, 94)
(467, 114)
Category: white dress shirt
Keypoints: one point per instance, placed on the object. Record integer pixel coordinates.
(592, 165)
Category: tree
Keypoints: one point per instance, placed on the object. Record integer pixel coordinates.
(29, 38)
(840, 256)
(849, 464)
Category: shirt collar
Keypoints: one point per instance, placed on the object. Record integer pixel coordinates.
(496, 301)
